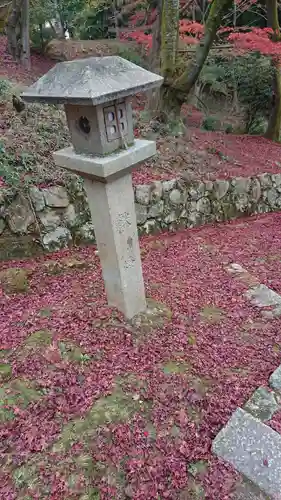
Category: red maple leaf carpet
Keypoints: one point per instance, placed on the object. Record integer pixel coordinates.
(95, 407)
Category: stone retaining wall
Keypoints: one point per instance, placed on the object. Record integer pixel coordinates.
(53, 217)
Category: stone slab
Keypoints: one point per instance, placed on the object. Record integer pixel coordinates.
(104, 167)
(252, 448)
(262, 296)
(93, 81)
(236, 268)
(263, 404)
(275, 379)
(246, 490)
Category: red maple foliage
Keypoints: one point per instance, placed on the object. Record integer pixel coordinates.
(138, 36)
(243, 38)
(256, 40)
(191, 27)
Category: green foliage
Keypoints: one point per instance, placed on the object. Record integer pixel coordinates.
(130, 55)
(66, 10)
(15, 169)
(91, 24)
(258, 125)
(40, 37)
(228, 128)
(213, 78)
(5, 88)
(210, 123)
(250, 76)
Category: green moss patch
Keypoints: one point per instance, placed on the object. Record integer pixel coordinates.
(117, 407)
(4, 353)
(194, 414)
(191, 339)
(39, 339)
(26, 476)
(46, 312)
(201, 385)
(175, 431)
(151, 431)
(212, 314)
(277, 348)
(92, 494)
(5, 371)
(79, 473)
(175, 367)
(131, 382)
(195, 491)
(76, 471)
(239, 371)
(14, 280)
(59, 266)
(198, 468)
(16, 394)
(73, 353)
(155, 316)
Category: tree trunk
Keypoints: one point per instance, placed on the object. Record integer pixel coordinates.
(14, 29)
(167, 40)
(169, 36)
(274, 123)
(154, 56)
(41, 36)
(186, 82)
(58, 23)
(53, 28)
(153, 101)
(25, 41)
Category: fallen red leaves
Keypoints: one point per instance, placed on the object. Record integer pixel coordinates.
(15, 72)
(211, 155)
(275, 422)
(213, 363)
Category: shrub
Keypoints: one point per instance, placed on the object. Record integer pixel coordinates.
(130, 55)
(15, 169)
(91, 25)
(41, 38)
(258, 125)
(5, 88)
(213, 78)
(210, 123)
(228, 128)
(250, 75)
(253, 76)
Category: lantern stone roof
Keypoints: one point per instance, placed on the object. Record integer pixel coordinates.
(91, 81)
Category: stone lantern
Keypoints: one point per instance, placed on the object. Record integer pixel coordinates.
(96, 95)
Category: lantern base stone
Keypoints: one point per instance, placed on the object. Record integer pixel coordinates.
(105, 168)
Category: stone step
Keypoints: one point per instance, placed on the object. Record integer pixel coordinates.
(247, 490)
(253, 449)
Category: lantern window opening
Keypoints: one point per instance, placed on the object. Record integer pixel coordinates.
(115, 121)
(84, 125)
